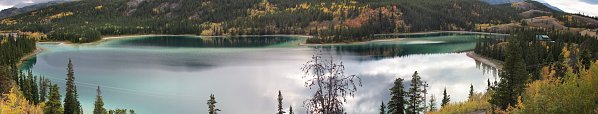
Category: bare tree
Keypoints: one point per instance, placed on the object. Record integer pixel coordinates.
(332, 86)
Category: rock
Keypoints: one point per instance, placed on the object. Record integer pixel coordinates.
(132, 6)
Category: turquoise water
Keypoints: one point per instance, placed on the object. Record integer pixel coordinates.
(176, 74)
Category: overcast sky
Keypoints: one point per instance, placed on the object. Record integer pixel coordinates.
(588, 7)
(19, 3)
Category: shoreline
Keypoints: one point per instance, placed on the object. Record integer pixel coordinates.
(194, 35)
(106, 38)
(400, 38)
(352, 43)
(37, 50)
(484, 60)
(436, 32)
(110, 37)
(297, 35)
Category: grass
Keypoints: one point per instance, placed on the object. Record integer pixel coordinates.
(479, 102)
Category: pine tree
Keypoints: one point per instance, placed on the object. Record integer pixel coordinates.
(397, 102)
(43, 89)
(53, 105)
(99, 104)
(415, 102)
(425, 93)
(71, 104)
(470, 91)
(280, 111)
(4, 80)
(512, 78)
(34, 88)
(432, 103)
(212, 105)
(291, 110)
(382, 108)
(445, 98)
(489, 86)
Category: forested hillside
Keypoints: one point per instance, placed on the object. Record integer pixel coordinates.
(15, 11)
(84, 19)
(330, 21)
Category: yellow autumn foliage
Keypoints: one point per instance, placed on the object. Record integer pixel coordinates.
(59, 15)
(262, 9)
(569, 94)
(478, 102)
(482, 26)
(36, 35)
(304, 6)
(566, 53)
(572, 93)
(211, 29)
(15, 103)
(99, 7)
(8, 21)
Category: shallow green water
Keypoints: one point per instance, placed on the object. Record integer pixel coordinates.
(176, 74)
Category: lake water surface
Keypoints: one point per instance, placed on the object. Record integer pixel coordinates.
(176, 74)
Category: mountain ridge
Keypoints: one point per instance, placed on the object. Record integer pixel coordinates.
(329, 21)
(496, 2)
(16, 11)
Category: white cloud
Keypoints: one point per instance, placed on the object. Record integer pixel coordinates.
(19, 3)
(28, 2)
(2, 7)
(575, 6)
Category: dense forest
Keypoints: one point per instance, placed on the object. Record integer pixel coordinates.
(537, 68)
(24, 92)
(329, 21)
(15, 47)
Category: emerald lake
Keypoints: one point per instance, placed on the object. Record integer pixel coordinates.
(177, 74)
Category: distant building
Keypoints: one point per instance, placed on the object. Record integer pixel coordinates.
(543, 38)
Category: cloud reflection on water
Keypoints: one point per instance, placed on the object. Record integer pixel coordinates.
(244, 80)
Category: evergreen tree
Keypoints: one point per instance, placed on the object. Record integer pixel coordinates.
(512, 78)
(44, 84)
(71, 104)
(118, 111)
(33, 87)
(415, 94)
(53, 105)
(382, 108)
(291, 110)
(470, 91)
(280, 111)
(489, 86)
(397, 102)
(4, 80)
(432, 103)
(99, 104)
(212, 105)
(445, 98)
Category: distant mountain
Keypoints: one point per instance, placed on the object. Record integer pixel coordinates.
(495, 2)
(250, 17)
(334, 21)
(15, 11)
